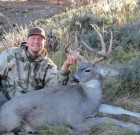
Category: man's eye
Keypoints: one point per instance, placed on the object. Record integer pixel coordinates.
(40, 38)
(33, 38)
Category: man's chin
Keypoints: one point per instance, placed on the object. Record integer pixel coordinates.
(35, 53)
(36, 50)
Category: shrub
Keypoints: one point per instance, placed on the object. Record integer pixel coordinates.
(130, 75)
(128, 36)
(80, 22)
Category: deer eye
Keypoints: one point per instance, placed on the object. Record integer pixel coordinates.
(87, 70)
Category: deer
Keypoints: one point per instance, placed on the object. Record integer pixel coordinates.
(74, 105)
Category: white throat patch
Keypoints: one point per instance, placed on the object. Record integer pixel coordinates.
(92, 84)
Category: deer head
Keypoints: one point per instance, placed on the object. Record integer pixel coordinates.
(90, 69)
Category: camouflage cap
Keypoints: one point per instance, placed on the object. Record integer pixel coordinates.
(37, 31)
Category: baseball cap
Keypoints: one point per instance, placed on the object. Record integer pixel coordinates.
(36, 31)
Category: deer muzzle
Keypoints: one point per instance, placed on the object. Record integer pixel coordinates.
(73, 79)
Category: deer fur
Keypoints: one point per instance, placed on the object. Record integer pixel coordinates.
(68, 105)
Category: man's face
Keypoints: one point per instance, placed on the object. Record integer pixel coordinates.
(35, 44)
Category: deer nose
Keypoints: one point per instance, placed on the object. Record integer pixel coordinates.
(73, 79)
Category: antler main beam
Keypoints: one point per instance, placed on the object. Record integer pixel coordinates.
(99, 55)
(104, 53)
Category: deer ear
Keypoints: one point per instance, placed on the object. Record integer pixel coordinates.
(106, 72)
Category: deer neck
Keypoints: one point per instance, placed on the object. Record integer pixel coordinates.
(93, 89)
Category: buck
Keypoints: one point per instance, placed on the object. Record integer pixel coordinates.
(74, 105)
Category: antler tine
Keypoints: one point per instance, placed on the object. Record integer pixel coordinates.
(76, 41)
(100, 55)
(110, 45)
(89, 48)
(75, 51)
(66, 49)
(96, 59)
(96, 28)
(68, 42)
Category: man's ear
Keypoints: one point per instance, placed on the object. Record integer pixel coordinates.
(45, 40)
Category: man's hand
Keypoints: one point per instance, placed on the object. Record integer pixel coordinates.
(71, 60)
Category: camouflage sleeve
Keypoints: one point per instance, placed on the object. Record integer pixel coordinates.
(54, 77)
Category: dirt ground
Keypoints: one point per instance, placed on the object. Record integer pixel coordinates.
(23, 12)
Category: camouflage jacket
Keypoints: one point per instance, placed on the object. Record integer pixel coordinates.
(20, 74)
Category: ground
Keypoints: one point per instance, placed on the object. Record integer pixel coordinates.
(23, 12)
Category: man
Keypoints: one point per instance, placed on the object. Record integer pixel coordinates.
(27, 67)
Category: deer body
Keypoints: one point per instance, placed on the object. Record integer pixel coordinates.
(70, 105)
(66, 105)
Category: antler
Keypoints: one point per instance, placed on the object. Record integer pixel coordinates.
(103, 54)
(75, 51)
